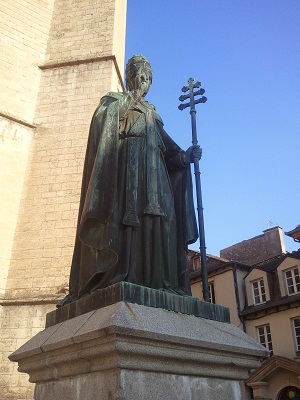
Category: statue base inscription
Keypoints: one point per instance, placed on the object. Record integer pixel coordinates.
(128, 351)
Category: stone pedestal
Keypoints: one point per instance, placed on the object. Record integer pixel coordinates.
(129, 351)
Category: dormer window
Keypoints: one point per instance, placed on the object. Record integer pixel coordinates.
(195, 263)
(259, 293)
(292, 281)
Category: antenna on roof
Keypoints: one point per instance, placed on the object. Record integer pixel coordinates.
(270, 224)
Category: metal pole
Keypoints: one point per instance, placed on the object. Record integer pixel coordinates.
(205, 287)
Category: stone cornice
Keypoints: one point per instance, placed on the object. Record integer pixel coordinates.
(130, 336)
(17, 120)
(70, 62)
(10, 302)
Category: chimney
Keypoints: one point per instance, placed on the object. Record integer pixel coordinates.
(258, 248)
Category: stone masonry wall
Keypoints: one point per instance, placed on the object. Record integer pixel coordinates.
(15, 140)
(78, 62)
(18, 325)
(24, 29)
(73, 80)
(24, 32)
(45, 234)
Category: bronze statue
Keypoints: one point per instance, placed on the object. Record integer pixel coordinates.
(136, 214)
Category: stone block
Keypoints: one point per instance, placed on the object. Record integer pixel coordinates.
(129, 351)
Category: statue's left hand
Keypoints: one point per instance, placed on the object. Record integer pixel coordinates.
(193, 152)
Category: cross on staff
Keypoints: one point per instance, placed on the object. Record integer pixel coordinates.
(192, 85)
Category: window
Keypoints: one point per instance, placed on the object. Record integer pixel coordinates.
(292, 281)
(264, 337)
(289, 392)
(296, 329)
(196, 263)
(259, 294)
(211, 288)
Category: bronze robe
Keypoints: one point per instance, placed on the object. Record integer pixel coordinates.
(136, 213)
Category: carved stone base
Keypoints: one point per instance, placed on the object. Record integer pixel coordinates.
(128, 351)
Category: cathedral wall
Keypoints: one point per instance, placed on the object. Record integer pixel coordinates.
(79, 70)
(15, 142)
(18, 324)
(24, 32)
(82, 29)
(80, 60)
(44, 238)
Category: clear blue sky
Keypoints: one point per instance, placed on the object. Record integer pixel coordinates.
(246, 53)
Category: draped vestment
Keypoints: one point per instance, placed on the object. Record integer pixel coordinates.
(136, 213)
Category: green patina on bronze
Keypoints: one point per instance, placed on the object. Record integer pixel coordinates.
(136, 214)
(131, 293)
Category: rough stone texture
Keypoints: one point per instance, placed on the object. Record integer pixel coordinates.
(44, 238)
(24, 33)
(58, 58)
(149, 386)
(18, 323)
(124, 291)
(15, 141)
(141, 385)
(134, 349)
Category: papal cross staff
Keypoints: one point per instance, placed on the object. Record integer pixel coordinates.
(191, 104)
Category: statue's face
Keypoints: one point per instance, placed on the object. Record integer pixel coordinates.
(142, 80)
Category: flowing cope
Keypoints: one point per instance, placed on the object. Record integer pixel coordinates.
(136, 213)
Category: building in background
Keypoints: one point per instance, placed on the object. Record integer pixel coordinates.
(225, 279)
(260, 284)
(58, 58)
(295, 234)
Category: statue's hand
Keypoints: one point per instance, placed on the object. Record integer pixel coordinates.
(193, 152)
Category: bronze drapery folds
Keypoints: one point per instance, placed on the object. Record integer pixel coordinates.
(136, 214)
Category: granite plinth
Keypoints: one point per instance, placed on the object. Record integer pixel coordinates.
(128, 351)
(128, 292)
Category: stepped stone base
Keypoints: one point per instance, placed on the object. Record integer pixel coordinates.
(129, 351)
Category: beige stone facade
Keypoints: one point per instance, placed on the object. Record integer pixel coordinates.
(59, 57)
(273, 318)
(264, 301)
(222, 282)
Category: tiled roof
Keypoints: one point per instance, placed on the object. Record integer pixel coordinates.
(295, 233)
(287, 301)
(276, 299)
(271, 264)
(213, 264)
